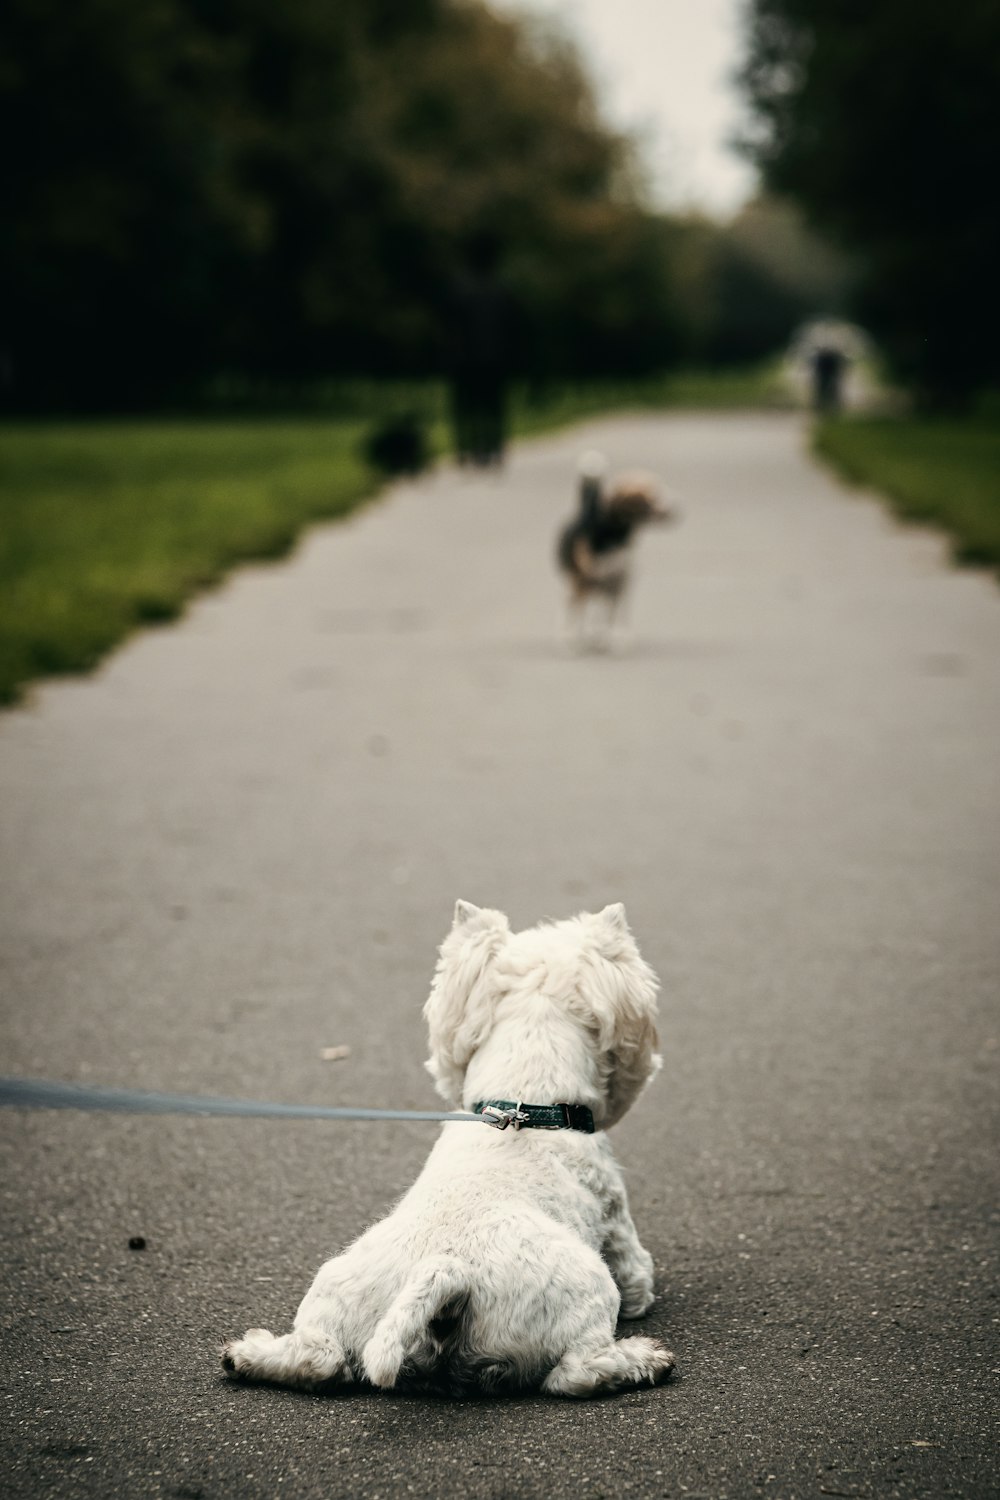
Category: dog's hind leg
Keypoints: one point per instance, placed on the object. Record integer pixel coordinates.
(433, 1284)
(609, 1367)
(310, 1357)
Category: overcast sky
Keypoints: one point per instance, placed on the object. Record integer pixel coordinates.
(664, 67)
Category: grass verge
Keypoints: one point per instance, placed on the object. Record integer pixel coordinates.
(107, 525)
(716, 390)
(942, 471)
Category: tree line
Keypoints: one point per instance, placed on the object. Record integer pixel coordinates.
(283, 192)
(881, 117)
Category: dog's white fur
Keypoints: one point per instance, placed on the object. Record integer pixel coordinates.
(507, 1263)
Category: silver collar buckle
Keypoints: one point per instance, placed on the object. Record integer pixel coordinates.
(501, 1118)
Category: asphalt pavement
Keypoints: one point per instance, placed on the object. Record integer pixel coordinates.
(240, 842)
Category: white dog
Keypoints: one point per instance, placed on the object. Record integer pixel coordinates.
(507, 1263)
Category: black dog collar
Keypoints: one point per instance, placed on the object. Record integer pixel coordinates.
(504, 1112)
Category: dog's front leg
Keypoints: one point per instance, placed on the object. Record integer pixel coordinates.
(630, 1264)
(619, 627)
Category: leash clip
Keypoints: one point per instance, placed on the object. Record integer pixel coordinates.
(501, 1118)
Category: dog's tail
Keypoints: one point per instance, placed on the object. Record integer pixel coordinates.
(420, 1320)
(592, 464)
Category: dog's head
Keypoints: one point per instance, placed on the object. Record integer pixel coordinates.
(635, 497)
(565, 1011)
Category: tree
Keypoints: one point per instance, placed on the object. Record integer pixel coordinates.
(880, 117)
(120, 202)
(281, 190)
(746, 286)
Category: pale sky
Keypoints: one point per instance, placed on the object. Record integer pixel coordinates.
(663, 68)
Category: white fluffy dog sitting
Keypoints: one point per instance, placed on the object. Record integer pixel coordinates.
(507, 1263)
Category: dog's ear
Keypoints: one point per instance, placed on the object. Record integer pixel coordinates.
(464, 912)
(625, 1012)
(459, 1010)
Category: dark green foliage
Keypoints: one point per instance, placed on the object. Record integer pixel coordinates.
(882, 119)
(747, 286)
(122, 199)
(281, 190)
(244, 196)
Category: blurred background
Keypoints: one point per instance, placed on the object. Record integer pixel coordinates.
(217, 207)
(216, 199)
(224, 200)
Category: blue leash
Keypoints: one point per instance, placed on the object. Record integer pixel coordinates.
(38, 1093)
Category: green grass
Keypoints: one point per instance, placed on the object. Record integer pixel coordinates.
(760, 386)
(108, 525)
(942, 471)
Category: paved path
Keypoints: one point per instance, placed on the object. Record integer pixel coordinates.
(241, 842)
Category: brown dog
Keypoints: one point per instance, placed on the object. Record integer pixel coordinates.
(594, 549)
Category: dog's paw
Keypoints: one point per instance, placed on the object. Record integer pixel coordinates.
(239, 1353)
(632, 1361)
(309, 1359)
(636, 1302)
(651, 1361)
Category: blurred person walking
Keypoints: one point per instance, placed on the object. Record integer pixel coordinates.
(480, 336)
(828, 367)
